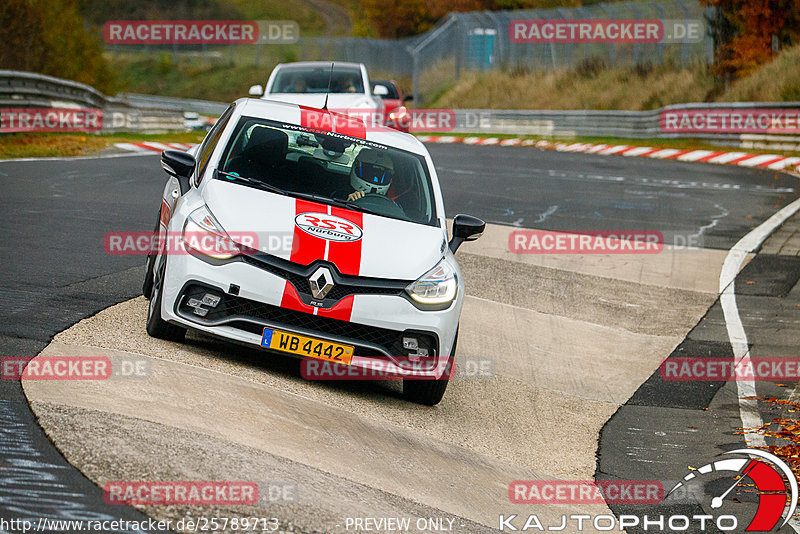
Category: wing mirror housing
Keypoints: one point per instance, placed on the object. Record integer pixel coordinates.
(180, 165)
(408, 98)
(256, 90)
(380, 90)
(465, 228)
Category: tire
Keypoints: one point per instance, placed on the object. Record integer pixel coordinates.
(147, 285)
(429, 392)
(156, 326)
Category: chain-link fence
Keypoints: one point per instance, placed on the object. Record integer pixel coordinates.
(482, 41)
(433, 62)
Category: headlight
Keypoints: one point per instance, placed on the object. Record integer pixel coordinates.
(399, 113)
(437, 287)
(204, 235)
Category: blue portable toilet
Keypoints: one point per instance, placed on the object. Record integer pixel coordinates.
(480, 48)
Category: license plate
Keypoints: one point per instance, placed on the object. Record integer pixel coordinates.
(307, 346)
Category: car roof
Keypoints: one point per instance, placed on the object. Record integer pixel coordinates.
(320, 64)
(291, 113)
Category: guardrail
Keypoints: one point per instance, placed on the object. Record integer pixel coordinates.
(31, 90)
(777, 124)
(28, 89)
(149, 112)
(205, 107)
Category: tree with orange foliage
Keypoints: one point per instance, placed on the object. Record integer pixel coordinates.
(748, 33)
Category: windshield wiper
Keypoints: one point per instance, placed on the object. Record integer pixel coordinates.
(253, 181)
(349, 204)
(353, 206)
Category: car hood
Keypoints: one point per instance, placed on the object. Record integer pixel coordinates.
(336, 101)
(357, 243)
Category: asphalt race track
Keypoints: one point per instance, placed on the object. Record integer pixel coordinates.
(572, 345)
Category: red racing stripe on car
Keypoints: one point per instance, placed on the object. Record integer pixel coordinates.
(306, 247)
(165, 211)
(346, 255)
(342, 311)
(332, 122)
(291, 300)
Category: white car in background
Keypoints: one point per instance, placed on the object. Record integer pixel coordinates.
(364, 274)
(306, 83)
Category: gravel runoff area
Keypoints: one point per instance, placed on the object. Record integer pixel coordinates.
(539, 414)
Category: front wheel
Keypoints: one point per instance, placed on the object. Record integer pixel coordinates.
(156, 326)
(429, 392)
(147, 285)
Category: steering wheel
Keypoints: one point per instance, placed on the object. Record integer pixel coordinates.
(381, 203)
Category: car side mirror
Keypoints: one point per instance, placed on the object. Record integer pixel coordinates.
(180, 165)
(256, 90)
(408, 98)
(380, 90)
(465, 228)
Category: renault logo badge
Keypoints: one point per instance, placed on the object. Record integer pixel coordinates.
(321, 282)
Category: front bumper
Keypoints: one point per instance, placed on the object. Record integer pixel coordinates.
(250, 300)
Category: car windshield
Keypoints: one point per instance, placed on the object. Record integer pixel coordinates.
(329, 168)
(315, 80)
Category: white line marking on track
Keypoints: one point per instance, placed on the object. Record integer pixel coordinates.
(748, 405)
(748, 408)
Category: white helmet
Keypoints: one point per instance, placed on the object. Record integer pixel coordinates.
(372, 171)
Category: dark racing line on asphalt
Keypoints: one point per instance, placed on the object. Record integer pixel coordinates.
(55, 271)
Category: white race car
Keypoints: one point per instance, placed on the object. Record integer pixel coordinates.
(340, 86)
(300, 231)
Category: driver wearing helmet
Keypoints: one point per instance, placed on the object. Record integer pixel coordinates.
(372, 172)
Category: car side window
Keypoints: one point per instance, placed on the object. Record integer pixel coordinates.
(210, 142)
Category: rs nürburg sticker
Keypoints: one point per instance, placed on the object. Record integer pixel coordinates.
(328, 227)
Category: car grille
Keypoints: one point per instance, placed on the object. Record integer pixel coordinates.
(239, 312)
(297, 275)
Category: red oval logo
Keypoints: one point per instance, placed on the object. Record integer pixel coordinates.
(328, 227)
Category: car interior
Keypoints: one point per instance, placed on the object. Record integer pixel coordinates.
(314, 163)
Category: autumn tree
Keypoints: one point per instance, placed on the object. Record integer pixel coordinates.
(747, 33)
(52, 38)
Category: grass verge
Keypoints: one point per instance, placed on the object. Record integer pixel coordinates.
(44, 145)
(594, 85)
